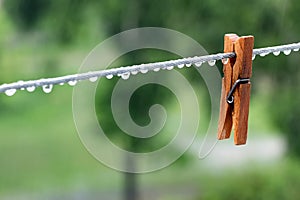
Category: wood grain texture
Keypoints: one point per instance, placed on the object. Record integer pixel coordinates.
(242, 69)
(241, 113)
(243, 63)
(225, 116)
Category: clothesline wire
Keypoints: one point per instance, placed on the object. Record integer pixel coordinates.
(124, 72)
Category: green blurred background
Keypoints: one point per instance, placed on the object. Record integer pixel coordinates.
(41, 156)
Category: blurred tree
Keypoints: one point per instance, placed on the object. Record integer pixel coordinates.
(26, 13)
(284, 72)
(271, 22)
(139, 107)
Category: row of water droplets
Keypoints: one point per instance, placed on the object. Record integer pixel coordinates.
(275, 53)
(126, 75)
(126, 72)
(47, 88)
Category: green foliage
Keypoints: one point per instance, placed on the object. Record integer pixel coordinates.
(286, 116)
(281, 182)
(26, 13)
(37, 36)
(139, 106)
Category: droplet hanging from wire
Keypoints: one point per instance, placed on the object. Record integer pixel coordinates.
(10, 92)
(47, 88)
(30, 88)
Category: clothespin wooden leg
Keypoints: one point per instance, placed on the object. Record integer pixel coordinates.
(242, 70)
(225, 117)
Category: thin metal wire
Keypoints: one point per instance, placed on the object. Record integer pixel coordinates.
(112, 72)
(197, 60)
(286, 49)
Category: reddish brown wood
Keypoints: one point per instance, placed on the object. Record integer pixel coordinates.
(243, 63)
(240, 114)
(236, 115)
(242, 69)
(225, 117)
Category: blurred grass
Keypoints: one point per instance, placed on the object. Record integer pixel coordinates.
(40, 148)
(255, 182)
(40, 151)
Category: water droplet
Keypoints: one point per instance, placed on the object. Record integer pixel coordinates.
(93, 79)
(109, 76)
(225, 61)
(47, 88)
(134, 72)
(125, 76)
(10, 92)
(72, 83)
(287, 52)
(21, 84)
(188, 64)
(276, 53)
(30, 88)
(156, 69)
(170, 68)
(180, 66)
(253, 57)
(61, 83)
(211, 62)
(198, 64)
(263, 54)
(296, 49)
(144, 71)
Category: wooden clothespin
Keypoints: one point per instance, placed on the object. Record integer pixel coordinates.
(235, 96)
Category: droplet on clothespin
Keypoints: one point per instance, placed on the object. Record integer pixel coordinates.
(225, 61)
